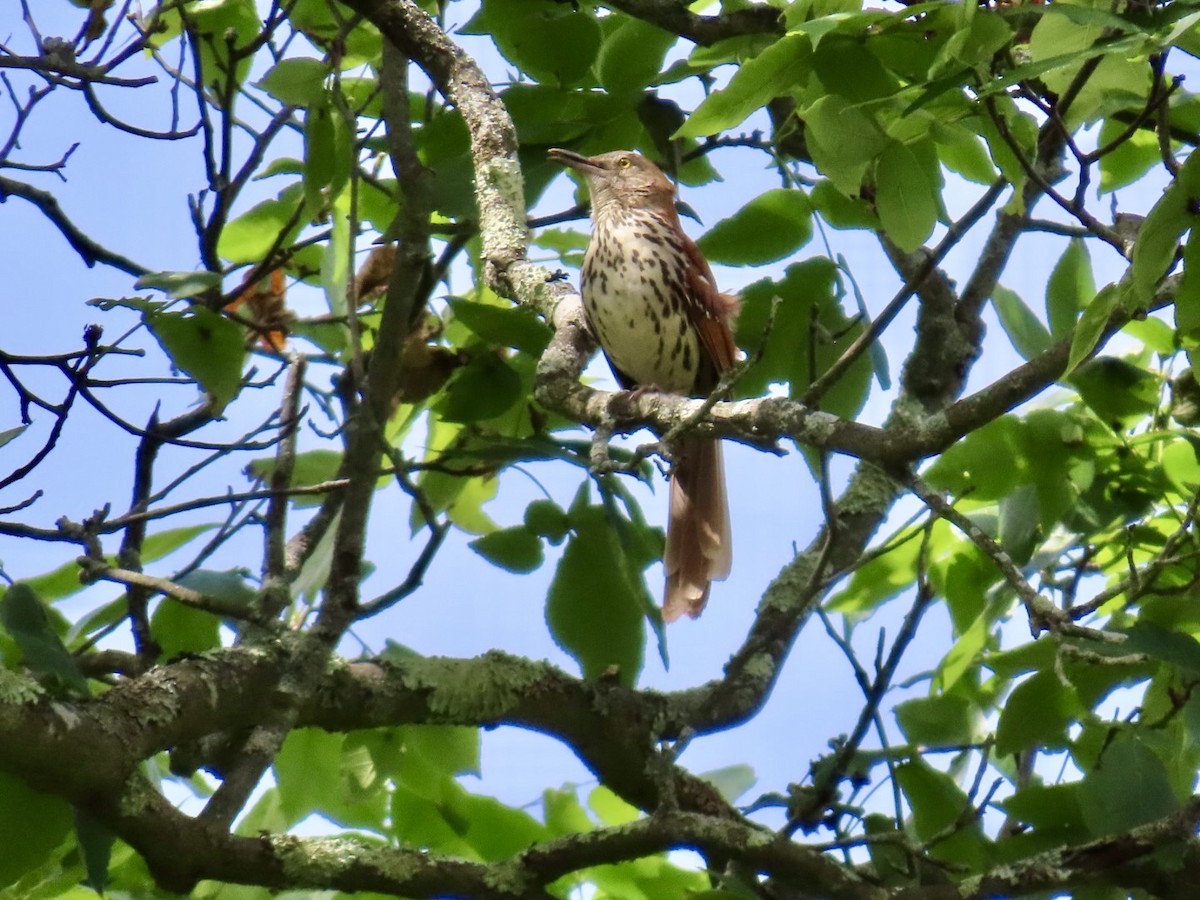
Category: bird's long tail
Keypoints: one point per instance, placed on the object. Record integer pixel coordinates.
(699, 541)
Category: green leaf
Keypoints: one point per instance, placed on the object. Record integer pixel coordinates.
(937, 802)
(564, 814)
(483, 389)
(298, 82)
(309, 468)
(250, 237)
(907, 187)
(1126, 163)
(962, 151)
(1021, 127)
(1069, 288)
(822, 25)
(1037, 714)
(843, 140)
(877, 581)
(547, 519)
(552, 43)
(964, 656)
(32, 826)
(328, 153)
(1166, 223)
(808, 315)
(783, 64)
(335, 259)
(1116, 389)
(205, 345)
(420, 755)
(182, 631)
(506, 326)
(731, 781)
(1092, 324)
(1082, 15)
(1178, 649)
(1053, 807)
(26, 620)
(328, 773)
(940, 720)
(179, 284)
(229, 586)
(879, 360)
(1187, 298)
(514, 549)
(95, 844)
(632, 55)
(222, 25)
(1128, 787)
(611, 809)
(1020, 522)
(493, 830)
(846, 67)
(969, 466)
(595, 608)
(1028, 335)
(842, 211)
(771, 226)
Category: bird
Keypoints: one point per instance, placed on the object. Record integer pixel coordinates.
(652, 302)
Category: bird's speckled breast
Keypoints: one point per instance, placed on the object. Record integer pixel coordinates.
(634, 293)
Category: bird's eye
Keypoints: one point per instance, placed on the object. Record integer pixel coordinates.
(624, 162)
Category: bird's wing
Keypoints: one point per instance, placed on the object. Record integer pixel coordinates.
(714, 314)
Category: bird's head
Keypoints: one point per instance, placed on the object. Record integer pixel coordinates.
(620, 178)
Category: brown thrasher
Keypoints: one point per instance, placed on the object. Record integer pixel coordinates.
(653, 304)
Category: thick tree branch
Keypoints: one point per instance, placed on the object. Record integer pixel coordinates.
(89, 752)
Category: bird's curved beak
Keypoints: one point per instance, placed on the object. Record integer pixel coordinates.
(576, 161)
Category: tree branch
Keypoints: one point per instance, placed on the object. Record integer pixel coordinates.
(89, 250)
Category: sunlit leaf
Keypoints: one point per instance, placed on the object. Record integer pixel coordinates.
(205, 345)
(907, 188)
(731, 781)
(180, 284)
(769, 74)
(1158, 239)
(632, 55)
(771, 226)
(938, 720)
(554, 44)
(298, 81)
(1028, 335)
(512, 549)
(513, 326)
(1091, 325)
(1070, 288)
